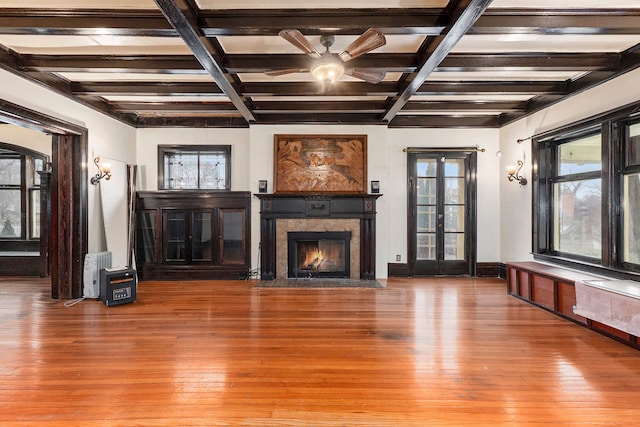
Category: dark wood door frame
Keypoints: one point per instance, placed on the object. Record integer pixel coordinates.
(69, 218)
(470, 156)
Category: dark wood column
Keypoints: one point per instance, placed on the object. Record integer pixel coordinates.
(45, 220)
(68, 215)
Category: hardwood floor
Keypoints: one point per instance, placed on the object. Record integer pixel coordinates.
(422, 352)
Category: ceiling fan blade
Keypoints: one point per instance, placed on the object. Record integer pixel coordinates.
(282, 71)
(369, 40)
(369, 76)
(297, 39)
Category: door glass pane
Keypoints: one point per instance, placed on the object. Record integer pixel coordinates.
(454, 218)
(454, 191)
(426, 191)
(176, 236)
(146, 236)
(579, 156)
(633, 145)
(201, 245)
(10, 214)
(232, 236)
(454, 246)
(454, 168)
(577, 217)
(426, 246)
(426, 219)
(426, 168)
(631, 219)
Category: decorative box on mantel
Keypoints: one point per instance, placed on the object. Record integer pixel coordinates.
(327, 211)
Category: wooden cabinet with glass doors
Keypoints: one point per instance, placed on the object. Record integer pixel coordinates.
(193, 235)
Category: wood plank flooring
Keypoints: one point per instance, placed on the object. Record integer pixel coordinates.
(421, 352)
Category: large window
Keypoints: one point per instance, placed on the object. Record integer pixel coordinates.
(19, 194)
(190, 167)
(587, 195)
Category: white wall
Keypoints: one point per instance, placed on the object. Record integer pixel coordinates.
(488, 248)
(516, 202)
(107, 137)
(252, 160)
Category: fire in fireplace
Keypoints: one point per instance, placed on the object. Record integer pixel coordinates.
(318, 254)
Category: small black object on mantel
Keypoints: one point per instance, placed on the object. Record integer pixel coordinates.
(375, 187)
(262, 186)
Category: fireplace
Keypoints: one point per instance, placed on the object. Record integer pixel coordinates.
(318, 254)
(281, 214)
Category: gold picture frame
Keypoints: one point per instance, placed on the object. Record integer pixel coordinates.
(317, 164)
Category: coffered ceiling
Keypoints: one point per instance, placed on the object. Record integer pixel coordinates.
(457, 63)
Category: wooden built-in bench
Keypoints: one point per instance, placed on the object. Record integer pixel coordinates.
(553, 288)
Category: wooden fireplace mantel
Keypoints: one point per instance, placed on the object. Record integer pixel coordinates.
(318, 206)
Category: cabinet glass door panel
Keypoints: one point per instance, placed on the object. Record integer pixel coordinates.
(176, 236)
(232, 236)
(146, 235)
(201, 235)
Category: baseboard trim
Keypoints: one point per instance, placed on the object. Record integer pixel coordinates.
(483, 269)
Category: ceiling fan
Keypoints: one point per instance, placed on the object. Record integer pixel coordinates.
(327, 68)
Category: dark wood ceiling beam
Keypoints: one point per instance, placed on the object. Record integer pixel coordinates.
(547, 61)
(85, 22)
(464, 13)
(234, 63)
(321, 21)
(317, 89)
(279, 107)
(479, 87)
(444, 121)
(192, 122)
(390, 62)
(465, 106)
(209, 107)
(319, 118)
(144, 88)
(181, 15)
(570, 21)
(160, 64)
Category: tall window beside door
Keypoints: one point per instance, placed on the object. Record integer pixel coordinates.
(587, 194)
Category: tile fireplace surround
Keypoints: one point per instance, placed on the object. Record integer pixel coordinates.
(281, 213)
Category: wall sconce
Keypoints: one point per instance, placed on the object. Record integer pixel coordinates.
(513, 173)
(104, 171)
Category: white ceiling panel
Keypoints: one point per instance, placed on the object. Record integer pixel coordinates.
(79, 4)
(136, 77)
(564, 4)
(504, 75)
(327, 4)
(546, 43)
(83, 45)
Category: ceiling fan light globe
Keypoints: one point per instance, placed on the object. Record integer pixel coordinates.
(327, 72)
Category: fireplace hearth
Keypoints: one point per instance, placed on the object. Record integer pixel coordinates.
(318, 254)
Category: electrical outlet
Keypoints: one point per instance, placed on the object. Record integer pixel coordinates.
(398, 257)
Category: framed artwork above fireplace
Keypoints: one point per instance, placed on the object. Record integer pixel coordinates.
(317, 164)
